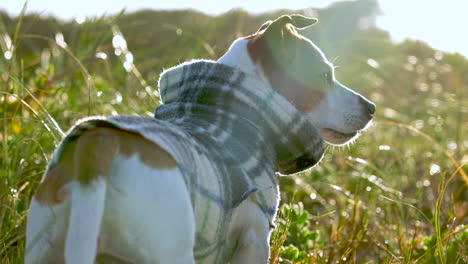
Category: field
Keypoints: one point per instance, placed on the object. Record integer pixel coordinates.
(398, 194)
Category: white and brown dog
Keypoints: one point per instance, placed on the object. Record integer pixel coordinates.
(197, 182)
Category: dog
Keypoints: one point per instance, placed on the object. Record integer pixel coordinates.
(196, 183)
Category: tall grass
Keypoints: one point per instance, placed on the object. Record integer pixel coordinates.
(397, 195)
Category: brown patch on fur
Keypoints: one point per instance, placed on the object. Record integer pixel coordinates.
(305, 94)
(91, 156)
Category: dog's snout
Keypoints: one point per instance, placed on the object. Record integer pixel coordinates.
(368, 105)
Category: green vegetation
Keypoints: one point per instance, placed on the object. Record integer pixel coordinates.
(398, 195)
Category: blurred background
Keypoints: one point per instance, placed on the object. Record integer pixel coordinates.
(436, 22)
(397, 195)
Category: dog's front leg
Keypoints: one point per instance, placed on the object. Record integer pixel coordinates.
(251, 228)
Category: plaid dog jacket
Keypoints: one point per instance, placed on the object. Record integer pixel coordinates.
(229, 133)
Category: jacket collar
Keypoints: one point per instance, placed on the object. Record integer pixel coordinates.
(216, 101)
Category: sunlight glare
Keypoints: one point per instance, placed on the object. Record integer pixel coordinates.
(384, 147)
(440, 23)
(101, 55)
(80, 19)
(127, 66)
(7, 40)
(7, 54)
(119, 42)
(129, 57)
(434, 169)
(60, 40)
(371, 62)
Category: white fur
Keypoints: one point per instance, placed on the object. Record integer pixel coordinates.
(45, 232)
(238, 57)
(341, 110)
(86, 210)
(148, 216)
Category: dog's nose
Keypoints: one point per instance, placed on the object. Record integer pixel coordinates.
(371, 108)
(368, 105)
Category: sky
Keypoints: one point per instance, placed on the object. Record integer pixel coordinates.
(441, 23)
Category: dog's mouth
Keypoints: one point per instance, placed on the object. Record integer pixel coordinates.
(335, 137)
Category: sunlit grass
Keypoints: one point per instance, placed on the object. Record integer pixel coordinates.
(396, 195)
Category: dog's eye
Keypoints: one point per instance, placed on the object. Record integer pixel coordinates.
(328, 77)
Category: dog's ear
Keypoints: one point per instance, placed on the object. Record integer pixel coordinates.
(296, 21)
(284, 29)
(281, 36)
(301, 22)
(264, 26)
(276, 44)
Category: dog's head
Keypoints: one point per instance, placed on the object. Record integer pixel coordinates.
(298, 69)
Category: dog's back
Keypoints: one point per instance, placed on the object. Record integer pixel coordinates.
(121, 177)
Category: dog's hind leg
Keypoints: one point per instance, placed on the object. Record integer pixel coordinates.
(92, 160)
(77, 183)
(86, 210)
(45, 233)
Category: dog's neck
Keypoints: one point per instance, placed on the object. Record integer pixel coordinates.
(238, 57)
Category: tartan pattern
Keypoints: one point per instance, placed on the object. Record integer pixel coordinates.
(229, 100)
(229, 133)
